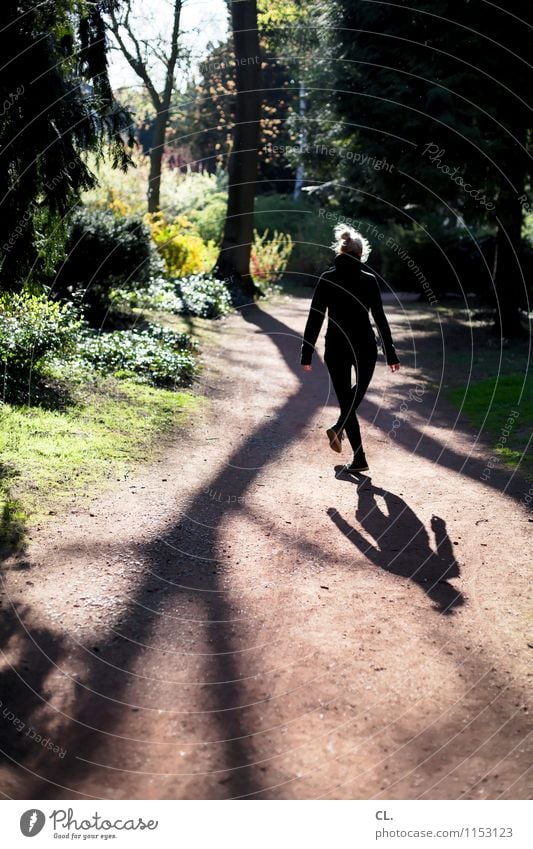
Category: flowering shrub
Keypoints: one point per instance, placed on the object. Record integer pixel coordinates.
(269, 258)
(197, 294)
(203, 295)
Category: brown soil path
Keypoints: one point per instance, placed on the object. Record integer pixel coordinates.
(236, 621)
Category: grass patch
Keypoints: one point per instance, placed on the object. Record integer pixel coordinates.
(491, 414)
(460, 356)
(51, 456)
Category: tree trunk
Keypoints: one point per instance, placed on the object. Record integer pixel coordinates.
(156, 159)
(509, 280)
(161, 103)
(234, 258)
(300, 170)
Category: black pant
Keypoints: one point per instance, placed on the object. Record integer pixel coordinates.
(339, 361)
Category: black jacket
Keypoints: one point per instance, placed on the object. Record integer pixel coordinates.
(347, 291)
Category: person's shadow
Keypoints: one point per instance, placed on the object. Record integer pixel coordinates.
(402, 544)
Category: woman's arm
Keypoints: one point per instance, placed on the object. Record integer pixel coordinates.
(314, 323)
(378, 314)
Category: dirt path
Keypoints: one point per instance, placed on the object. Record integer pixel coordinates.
(236, 621)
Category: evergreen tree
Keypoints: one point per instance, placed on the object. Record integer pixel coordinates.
(56, 105)
(441, 91)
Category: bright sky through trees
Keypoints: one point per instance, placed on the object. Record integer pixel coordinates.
(202, 21)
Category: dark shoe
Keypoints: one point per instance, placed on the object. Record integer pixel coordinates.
(335, 439)
(357, 465)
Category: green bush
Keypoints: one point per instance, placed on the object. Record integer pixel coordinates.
(155, 355)
(105, 250)
(31, 328)
(201, 197)
(160, 295)
(188, 193)
(172, 338)
(209, 220)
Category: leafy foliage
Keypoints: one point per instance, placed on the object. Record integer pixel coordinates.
(31, 327)
(441, 94)
(199, 295)
(300, 219)
(188, 194)
(39, 336)
(116, 189)
(203, 295)
(192, 192)
(461, 83)
(104, 250)
(209, 219)
(181, 248)
(269, 258)
(57, 105)
(155, 355)
(210, 106)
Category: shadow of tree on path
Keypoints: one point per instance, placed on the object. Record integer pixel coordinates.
(101, 694)
(23, 685)
(195, 540)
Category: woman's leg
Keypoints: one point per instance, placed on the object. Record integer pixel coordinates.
(340, 370)
(365, 364)
(339, 367)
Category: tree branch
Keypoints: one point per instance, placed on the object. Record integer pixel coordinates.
(173, 58)
(136, 62)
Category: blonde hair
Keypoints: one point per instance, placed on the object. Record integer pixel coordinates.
(350, 241)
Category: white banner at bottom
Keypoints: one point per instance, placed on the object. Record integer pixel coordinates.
(261, 824)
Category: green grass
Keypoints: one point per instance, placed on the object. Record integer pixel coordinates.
(475, 358)
(49, 457)
(509, 395)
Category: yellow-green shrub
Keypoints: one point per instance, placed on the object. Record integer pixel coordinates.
(181, 248)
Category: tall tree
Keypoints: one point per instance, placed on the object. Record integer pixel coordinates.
(56, 104)
(138, 50)
(441, 91)
(234, 258)
(209, 106)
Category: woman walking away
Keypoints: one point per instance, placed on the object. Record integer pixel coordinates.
(348, 292)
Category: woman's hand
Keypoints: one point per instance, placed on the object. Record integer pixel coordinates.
(395, 367)
(308, 368)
